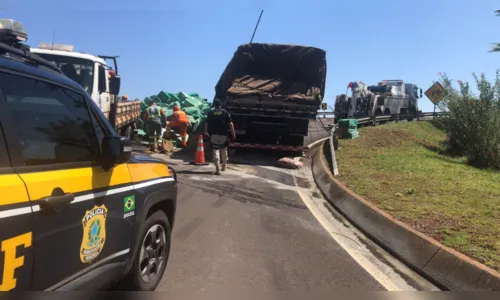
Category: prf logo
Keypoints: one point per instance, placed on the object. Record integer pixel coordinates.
(11, 260)
(94, 233)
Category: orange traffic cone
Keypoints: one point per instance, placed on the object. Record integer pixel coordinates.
(199, 158)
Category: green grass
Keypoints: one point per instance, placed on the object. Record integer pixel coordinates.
(403, 169)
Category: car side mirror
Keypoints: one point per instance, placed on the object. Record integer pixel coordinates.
(114, 85)
(126, 149)
(111, 150)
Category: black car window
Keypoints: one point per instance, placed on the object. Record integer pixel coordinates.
(53, 123)
(98, 129)
(4, 157)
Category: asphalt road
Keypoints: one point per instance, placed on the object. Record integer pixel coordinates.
(261, 228)
(252, 229)
(249, 229)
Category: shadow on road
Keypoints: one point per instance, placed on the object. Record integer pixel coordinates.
(257, 157)
(253, 157)
(191, 172)
(247, 192)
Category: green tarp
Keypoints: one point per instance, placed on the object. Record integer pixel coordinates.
(195, 107)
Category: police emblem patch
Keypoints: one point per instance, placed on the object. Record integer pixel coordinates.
(94, 233)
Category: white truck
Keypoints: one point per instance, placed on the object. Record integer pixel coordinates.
(388, 97)
(100, 81)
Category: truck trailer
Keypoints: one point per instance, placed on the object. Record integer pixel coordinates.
(272, 91)
(388, 97)
(101, 82)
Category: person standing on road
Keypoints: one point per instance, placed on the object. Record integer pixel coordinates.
(181, 121)
(154, 118)
(217, 127)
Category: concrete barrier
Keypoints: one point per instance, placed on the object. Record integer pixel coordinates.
(433, 260)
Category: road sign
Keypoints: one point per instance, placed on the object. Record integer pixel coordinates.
(435, 93)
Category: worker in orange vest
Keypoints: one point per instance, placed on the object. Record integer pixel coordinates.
(180, 120)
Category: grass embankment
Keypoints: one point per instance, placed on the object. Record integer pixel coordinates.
(403, 168)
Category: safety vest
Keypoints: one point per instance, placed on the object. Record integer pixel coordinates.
(154, 113)
(181, 117)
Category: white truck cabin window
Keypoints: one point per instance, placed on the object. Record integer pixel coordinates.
(78, 69)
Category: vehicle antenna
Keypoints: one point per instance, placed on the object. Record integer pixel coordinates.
(257, 25)
(53, 37)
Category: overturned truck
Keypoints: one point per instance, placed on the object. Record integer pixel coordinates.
(272, 92)
(388, 97)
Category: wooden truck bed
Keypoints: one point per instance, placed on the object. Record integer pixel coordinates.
(127, 112)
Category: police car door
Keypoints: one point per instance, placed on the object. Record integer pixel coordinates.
(79, 222)
(16, 226)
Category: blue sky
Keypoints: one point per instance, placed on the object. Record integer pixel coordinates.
(185, 45)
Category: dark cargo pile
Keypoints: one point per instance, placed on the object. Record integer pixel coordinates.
(284, 72)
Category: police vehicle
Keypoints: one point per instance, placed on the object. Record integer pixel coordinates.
(78, 211)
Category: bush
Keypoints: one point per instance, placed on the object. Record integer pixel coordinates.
(473, 121)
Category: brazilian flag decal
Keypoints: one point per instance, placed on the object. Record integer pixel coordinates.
(129, 204)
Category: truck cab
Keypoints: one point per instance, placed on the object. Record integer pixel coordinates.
(98, 79)
(90, 71)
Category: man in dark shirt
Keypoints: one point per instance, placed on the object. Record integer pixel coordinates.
(218, 126)
(155, 118)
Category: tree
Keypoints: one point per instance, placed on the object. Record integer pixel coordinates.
(473, 120)
(496, 46)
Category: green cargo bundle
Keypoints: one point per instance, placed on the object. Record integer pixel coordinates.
(348, 123)
(348, 128)
(196, 109)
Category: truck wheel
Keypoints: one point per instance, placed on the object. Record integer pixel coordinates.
(151, 258)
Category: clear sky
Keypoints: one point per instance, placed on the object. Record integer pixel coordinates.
(184, 45)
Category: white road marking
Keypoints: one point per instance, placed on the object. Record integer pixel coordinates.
(353, 249)
(349, 239)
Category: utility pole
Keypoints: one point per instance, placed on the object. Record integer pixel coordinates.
(257, 25)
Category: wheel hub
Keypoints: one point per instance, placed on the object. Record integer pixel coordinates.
(152, 255)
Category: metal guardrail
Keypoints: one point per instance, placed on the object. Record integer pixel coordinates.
(387, 118)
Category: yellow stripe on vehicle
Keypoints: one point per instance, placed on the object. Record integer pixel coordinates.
(141, 172)
(41, 184)
(13, 190)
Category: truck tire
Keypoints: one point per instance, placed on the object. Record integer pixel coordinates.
(151, 256)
